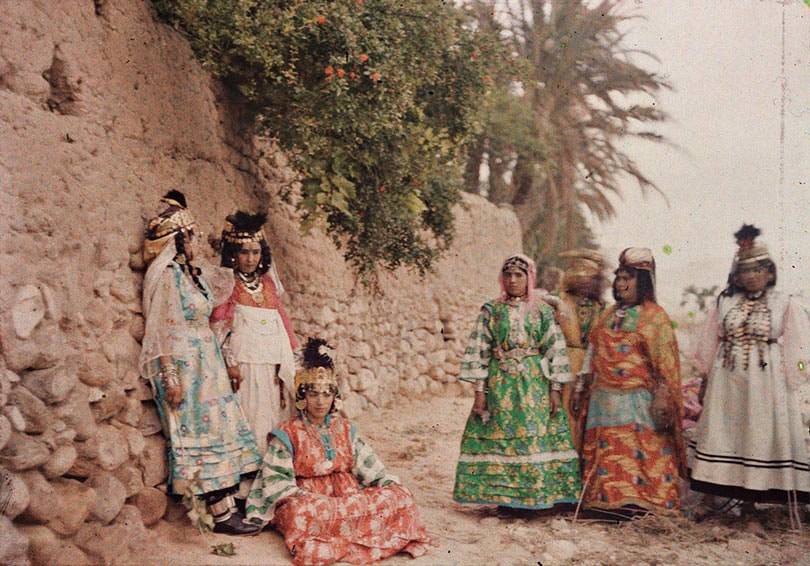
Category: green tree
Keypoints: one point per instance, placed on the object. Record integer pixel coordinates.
(373, 100)
(570, 92)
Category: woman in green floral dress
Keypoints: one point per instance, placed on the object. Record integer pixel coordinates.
(517, 450)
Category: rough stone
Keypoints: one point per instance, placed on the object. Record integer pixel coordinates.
(5, 431)
(108, 447)
(23, 452)
(75, 411)
(104, 544)
(14, 547)
(36, 413)
(110, 496)
(113, 544)
(111, 401)
(60, 461)
(73, 503)
(324, 317)
(150, 420)
(437, 358)
(44, 349)
(153, 461)
(130, 380)
(362, 380)
(14, 495)
(136, 441)
(7, 378)
(142, 391)
(130, 477)
(41, 494)
(15, 417)
(362, 350)
(50, 385)
(45, 547)
(95, 369)
(151, 502)
(131, 412)
(28, 311)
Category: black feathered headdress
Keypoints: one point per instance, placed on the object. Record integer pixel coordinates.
(241, 227)
(316, 354)
(746, 235)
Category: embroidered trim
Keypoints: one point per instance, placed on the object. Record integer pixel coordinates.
(541, 458)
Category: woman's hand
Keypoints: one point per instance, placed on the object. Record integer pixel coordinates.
(556, 401)
(236, 377)
(576, 401)
(480, 404)
(174, 395)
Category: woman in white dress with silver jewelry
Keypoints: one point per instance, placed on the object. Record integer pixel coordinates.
(253, 328)
(751, 439)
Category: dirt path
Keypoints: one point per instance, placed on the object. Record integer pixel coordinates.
(418, 440)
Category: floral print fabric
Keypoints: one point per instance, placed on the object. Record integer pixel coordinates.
(210, 442)
(326, 491)
(625, 460)
(522, 456)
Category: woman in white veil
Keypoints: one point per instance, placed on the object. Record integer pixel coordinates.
(211, 446)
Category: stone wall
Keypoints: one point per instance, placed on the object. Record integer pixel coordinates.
(103, 109)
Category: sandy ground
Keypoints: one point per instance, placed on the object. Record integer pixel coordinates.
(418, 440)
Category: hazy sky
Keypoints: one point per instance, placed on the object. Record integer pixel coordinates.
(724, 60)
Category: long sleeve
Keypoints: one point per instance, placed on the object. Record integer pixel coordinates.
(662, 349)
(275, 482)
(475, 363)
(555, 364)
(165, 333)
(368, 468)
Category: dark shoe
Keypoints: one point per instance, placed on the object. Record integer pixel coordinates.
(236, 526)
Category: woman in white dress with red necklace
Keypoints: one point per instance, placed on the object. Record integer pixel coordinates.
(253, 327)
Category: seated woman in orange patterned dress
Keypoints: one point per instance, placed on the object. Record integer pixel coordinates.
(633, 447)
(324, 489)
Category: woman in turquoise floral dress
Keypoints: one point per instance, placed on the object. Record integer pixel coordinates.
(211, 446)
(517, 450)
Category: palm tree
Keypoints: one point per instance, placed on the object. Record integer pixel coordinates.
(579, 93)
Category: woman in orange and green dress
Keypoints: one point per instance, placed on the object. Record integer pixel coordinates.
(630, 464)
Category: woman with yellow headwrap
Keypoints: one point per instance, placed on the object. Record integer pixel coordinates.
(211, 446)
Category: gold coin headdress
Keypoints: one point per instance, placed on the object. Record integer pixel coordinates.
(318, 371)
(242, 227)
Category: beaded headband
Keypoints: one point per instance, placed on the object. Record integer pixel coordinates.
(515, 262)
